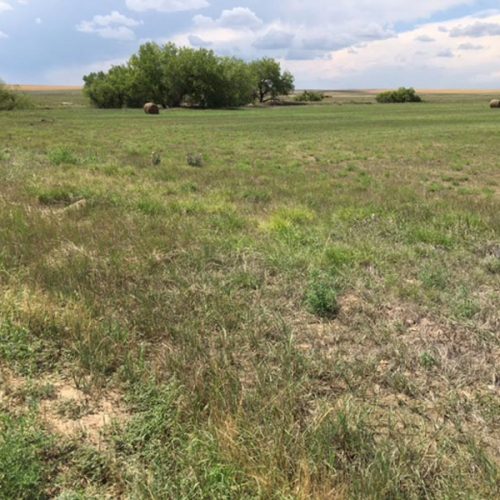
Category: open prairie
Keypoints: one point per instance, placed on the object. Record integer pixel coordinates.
(291, 302)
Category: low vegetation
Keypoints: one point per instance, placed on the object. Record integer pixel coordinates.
(309, 96)
(173, 76)
(401, 95)
(312, 314)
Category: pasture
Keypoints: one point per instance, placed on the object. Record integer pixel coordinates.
(311, 311)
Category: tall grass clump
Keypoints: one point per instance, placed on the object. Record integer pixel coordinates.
(23, 473)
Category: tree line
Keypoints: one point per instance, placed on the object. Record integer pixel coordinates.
(173, 76)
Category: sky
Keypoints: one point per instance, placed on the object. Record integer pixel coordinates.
(326, 44)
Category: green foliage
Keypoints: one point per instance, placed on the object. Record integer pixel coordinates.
(309, 96)
(183, 462)
(10, 100)
(321, 296)
(22, 469)
(399, 96)
(61, 155)
(270, 81)
(172, 76)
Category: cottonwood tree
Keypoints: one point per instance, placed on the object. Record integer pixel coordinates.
(173, 76)
(270, 81)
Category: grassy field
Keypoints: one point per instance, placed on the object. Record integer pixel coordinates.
(311, 311)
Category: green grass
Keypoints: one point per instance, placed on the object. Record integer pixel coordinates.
(311, 313)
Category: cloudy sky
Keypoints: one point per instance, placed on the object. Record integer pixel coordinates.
(327, 44)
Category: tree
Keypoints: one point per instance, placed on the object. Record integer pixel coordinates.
(173, 76)
(147, 76)
(109, 90)
(270, 82)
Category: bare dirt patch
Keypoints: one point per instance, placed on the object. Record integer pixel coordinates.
(66, 410)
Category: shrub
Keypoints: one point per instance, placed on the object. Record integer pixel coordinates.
(321, 296)
(309, 96)
(399, 96)
(195, 160)
(10, 100)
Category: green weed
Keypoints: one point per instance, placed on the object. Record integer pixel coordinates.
(62, 156)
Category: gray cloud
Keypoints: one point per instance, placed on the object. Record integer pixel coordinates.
(470, 46)
(445, 53)
(303, 55)
(326, 43)
(274, 39)
(476, 30)
(375, 32)
(197, 41)
(425, 39)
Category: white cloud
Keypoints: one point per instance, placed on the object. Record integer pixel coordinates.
(237, 18)
(3, 35)
(240, 16)
(377, 11)
(4, 6)
(452, 63)
(114, 26)
(166, 5)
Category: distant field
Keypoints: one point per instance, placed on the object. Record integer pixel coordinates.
(310, 310)
(61, 96)
(45, 88)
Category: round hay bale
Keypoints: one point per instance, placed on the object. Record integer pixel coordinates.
(150, 108)
(495, 103)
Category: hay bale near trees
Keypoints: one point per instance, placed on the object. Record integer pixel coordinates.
(495, 103)
(150, 108)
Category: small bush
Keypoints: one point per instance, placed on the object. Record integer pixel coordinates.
(321, 296)
(195, 160)
(10, 100)
(399, 96)
(309, 96)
